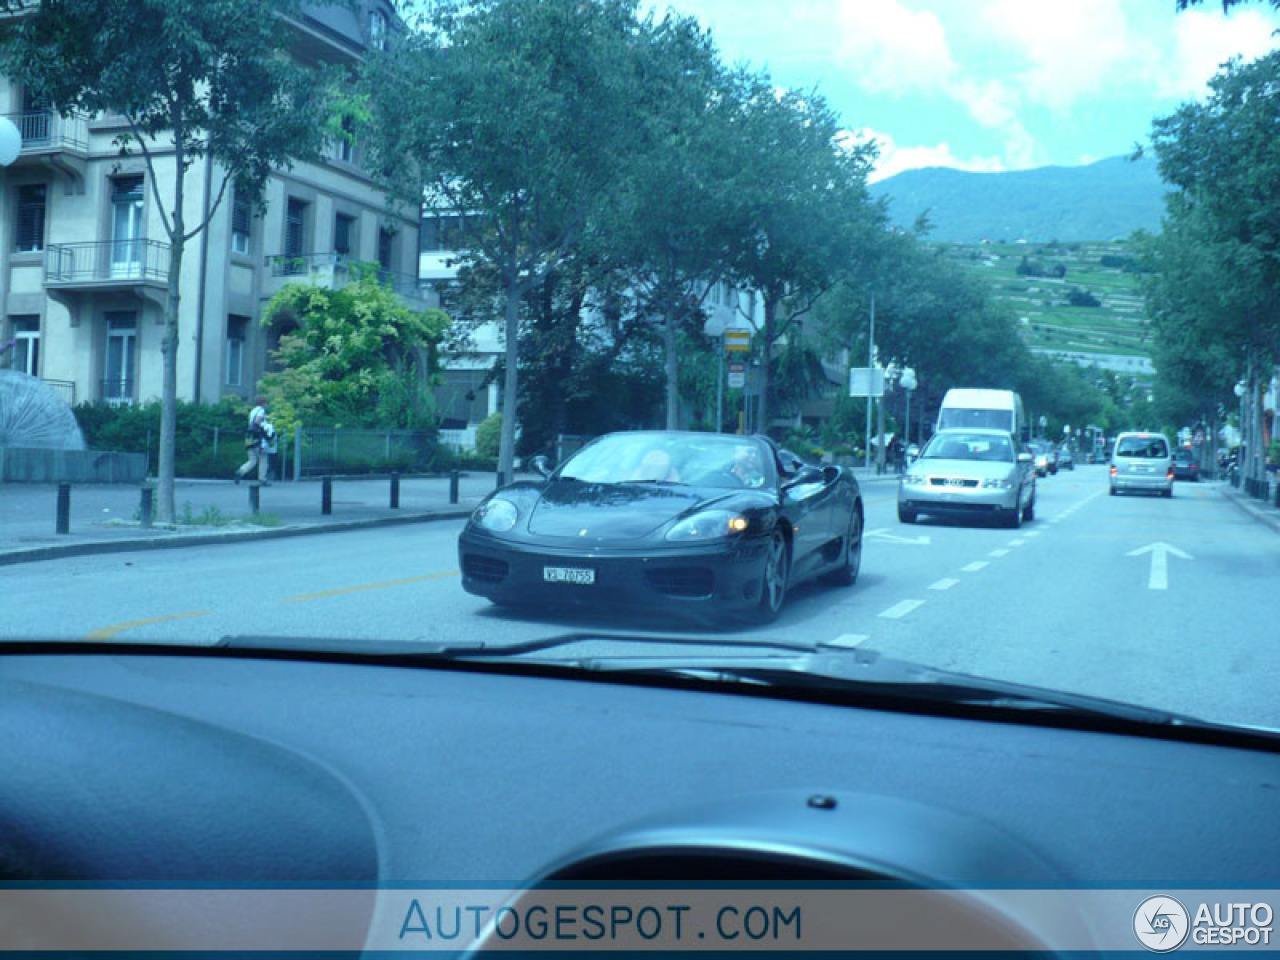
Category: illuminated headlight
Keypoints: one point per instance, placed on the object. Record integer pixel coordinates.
(997, 483)
(497, 515)
(708, 525)
(913, 479)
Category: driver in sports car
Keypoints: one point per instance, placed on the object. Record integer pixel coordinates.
(747, 466)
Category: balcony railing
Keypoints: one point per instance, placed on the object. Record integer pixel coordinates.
(114, 263)
(336, 270)
(44, 130)
(66, 389)
(117, 392)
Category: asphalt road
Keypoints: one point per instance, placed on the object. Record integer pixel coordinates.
(1168, 603)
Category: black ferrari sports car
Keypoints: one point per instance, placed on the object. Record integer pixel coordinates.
(697, 522)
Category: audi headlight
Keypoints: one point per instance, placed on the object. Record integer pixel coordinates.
(913, 479)
(708, 525)
(496, 515)
(997, 483)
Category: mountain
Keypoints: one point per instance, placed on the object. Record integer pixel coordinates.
(1101, 201)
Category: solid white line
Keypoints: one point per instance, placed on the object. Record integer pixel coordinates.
(946, 583)
(848, 640)
(900, 610)
(975, 566)
(998, 553)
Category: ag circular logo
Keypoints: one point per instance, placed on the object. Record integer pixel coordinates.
(1161, 924)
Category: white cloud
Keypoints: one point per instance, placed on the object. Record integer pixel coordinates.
(894, 158)
(889, 47)
(1203, 40)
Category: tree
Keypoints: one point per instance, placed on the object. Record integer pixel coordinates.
(807, 212)
(355, 356)
(515, 113)
(192, 81)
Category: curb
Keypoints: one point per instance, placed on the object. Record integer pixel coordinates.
(137, 545)
(1251, 507)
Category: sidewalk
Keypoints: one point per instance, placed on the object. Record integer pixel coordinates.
(105, 518)
(1264, 511)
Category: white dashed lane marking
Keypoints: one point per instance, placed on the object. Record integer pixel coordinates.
(848, 640)
(975, 566)
(998, 553)
(900, 610)
(946, 583)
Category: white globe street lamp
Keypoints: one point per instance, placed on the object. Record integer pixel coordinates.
(10, 142)
(909, 383)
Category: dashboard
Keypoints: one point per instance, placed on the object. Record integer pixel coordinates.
(164, 769)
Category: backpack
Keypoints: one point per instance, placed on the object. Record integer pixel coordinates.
(268, 436)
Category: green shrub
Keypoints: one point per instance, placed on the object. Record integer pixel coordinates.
(489, 437)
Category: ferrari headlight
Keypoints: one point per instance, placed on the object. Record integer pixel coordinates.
(497, 515)
(708, 525)
(912, 479)
(997, 483)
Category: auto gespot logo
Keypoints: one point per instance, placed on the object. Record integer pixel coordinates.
(1162, 924)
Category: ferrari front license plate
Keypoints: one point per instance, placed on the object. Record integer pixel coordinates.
(579, 575)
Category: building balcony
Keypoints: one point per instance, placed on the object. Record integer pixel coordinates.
(140, 265)
(334, 271)
(52, 140)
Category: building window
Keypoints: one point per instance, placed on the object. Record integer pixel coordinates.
(295, 228)
(346, 147)
(241, 223)
(237, 330)
(344, 228)
(441, 232)
(378, 30)
(122, 345)
(126, 226)
(386, 249)
(26, 344)
(29, 230)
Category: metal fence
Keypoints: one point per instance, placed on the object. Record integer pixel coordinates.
(323, 451)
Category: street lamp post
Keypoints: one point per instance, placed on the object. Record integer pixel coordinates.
(909, 383)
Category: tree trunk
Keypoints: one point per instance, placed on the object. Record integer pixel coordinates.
(764, 402)
(507, 442)
(165, 509)
(673, 370)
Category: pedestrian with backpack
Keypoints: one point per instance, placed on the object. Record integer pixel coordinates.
(259, 443)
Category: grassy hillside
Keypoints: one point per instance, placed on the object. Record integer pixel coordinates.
(1043, 304)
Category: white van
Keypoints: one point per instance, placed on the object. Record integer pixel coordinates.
(968, 409)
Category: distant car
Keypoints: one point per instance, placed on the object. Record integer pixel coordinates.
(1143, 462)
(972, 473)
(1040, 451)
(1185, 466)
(1066, 459)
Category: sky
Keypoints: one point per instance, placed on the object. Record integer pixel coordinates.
(989, 84)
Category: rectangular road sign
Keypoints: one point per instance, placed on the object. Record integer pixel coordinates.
(737, 341)
(866, 382)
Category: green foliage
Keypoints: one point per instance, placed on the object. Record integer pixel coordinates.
(1079, 297)
(355, 357)
(136, 429)
(488, 435)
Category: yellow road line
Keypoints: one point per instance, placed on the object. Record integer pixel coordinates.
(340, 591)
(106, 633)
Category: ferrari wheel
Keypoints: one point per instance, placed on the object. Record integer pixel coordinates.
(773, 581)
(846, 575)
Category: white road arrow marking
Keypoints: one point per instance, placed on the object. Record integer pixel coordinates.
(884, 534)
(1159, 578)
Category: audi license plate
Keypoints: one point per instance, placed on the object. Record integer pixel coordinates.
(584, 576)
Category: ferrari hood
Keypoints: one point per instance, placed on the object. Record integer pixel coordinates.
(611, 511)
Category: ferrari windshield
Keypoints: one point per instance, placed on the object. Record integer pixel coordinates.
(704, 460)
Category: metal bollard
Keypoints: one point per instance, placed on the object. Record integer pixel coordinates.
(326, 496)
(502, 480)
(63, 522)
(395, 491)
(453, 486)
(255, 501)
(147, 507)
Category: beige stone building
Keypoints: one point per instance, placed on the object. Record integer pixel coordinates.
(84, 256)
